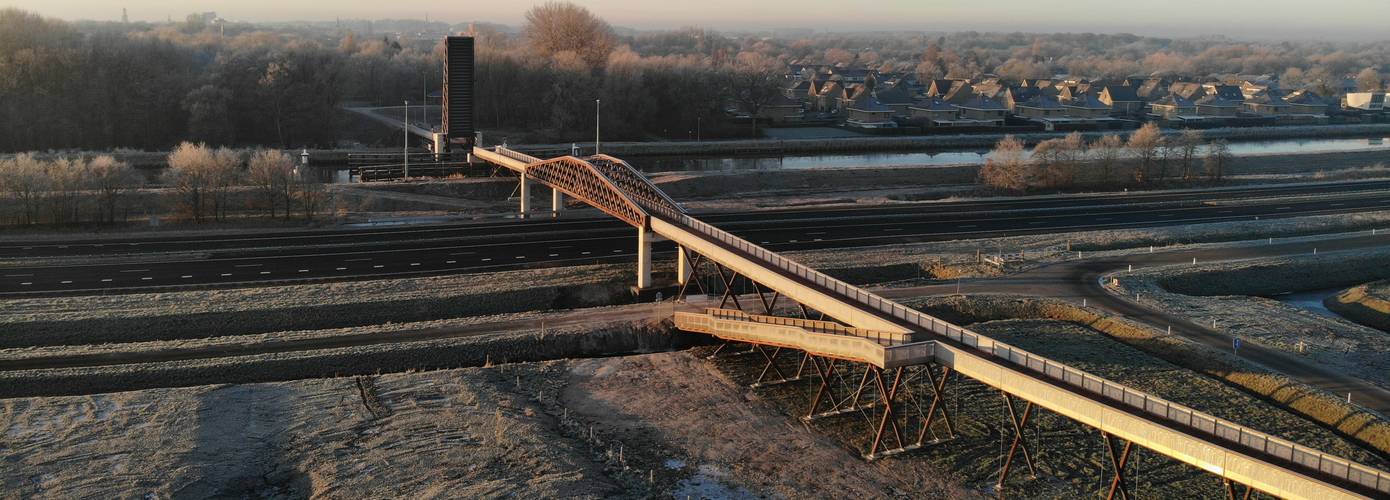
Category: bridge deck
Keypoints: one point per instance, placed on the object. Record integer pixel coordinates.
(1268, 463)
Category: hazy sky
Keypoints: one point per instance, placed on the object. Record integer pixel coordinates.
(1266, 19)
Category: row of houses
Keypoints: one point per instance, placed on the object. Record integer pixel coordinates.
(860, 98)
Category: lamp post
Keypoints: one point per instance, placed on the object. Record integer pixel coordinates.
(597, 123)
(405, 146)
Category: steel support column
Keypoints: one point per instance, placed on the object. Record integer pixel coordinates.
(1117, 462)
(683, 268)
(1018, 444)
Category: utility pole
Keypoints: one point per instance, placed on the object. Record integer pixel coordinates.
(405, 146)
(597, 123)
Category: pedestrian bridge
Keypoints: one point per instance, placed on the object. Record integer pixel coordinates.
(888, 338)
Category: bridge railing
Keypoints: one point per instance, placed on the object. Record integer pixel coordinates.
(516, 155)
(1155, 407)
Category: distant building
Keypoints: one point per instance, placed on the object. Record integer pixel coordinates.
(866, 112)
(1173, 107)
(1217, 106)
(1364, 101)
(1122, 99)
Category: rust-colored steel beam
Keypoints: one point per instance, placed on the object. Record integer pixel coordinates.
(1117, 462)
(1018, 442)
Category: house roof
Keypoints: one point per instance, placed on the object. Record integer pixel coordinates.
(1087, 101)
(1267, 98)
(893, 95)
(1217, 101)
(1040, 102)
(983, 103)
(933, 104)
(1305, 97)
(866, 102)
(1174, 100)
(800, 85)
(1121, 93)
(1227, 92)
(1187, 90)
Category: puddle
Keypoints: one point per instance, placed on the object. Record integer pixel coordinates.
(1310, 300)
(708, 482)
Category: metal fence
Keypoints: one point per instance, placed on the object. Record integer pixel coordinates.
(1217, 429)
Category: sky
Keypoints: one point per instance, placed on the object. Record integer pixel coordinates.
(1257, 19)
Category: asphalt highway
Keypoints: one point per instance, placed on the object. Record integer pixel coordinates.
(267, 258)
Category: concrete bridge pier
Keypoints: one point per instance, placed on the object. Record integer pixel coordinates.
(525, 190)
(557, 202)
(644, 258)
(683, 269)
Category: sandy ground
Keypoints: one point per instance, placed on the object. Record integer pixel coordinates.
(652, 425)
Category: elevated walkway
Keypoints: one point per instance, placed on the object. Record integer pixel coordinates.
(885, 334)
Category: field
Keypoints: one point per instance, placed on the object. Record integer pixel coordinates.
(1368, 304)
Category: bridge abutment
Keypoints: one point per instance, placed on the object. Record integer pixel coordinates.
(557, 202)
(683, 269)
(525, 190)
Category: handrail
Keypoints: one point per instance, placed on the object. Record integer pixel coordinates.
(1157, 408)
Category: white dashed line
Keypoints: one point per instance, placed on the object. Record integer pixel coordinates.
(342, 269)
(187, 276)
(135, 270)
(554, 255)
(413, 264)
(817, 239)
(378, 266)
(617, 251)
(1283, 208)
(107, 280)
(303, 270)
(19, 275)
(147, 278)
(226, 274)
(487, 259)
(66, 282)
(26, 283)
(450, 262)
(265, 272)
(1339, 204)
(519, 257)
(585, 253)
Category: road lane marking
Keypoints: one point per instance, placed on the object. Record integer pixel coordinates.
(265, 272)
(378, 266)
(342, 269)
(26, 283)
(19, 275)
(107, 280)
(487, 259)
(1283, 208)
(1339, 204)
(67, 282)
(554, 255)
(450, 262)
(135, 270)
(414, 264)
(617, 251)
(147, 278)
(226, 274)
(520, 256)
(357, 260)
(186, 276)
(585, 253)
(303, 270)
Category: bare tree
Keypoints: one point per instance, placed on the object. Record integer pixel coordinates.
(1218, 158)
(310, 193)
(1144, 145)
(754, 82)
(226, 174)
(556, 27)
(1369, 80)
(1106, 153)
(23, 177)
(270, 171)
(66, 180)
(110, 179)
(1008, 168)
(1189, 143)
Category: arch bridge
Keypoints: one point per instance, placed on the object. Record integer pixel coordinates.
(895, 347)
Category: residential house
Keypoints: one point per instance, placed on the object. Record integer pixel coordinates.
(895, 97)
(1230, 93)
(1217, 106)
(1039, 106)
(1086, 107)
(1307, 102)
(935, 112)
(852, 75)
(1187, 90)
(866, 112)
(827, 99)
(940, 88)
(1173, 107)
(799, 89)
(1267, 103)
(1123, 100)
(1364, 101)
(781, 110)
(983, 109)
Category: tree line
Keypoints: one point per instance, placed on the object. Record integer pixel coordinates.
(102, 85)
(1145, 158)
(202, 184)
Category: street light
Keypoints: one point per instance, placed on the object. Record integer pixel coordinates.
(596, 125)
(405, 146)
